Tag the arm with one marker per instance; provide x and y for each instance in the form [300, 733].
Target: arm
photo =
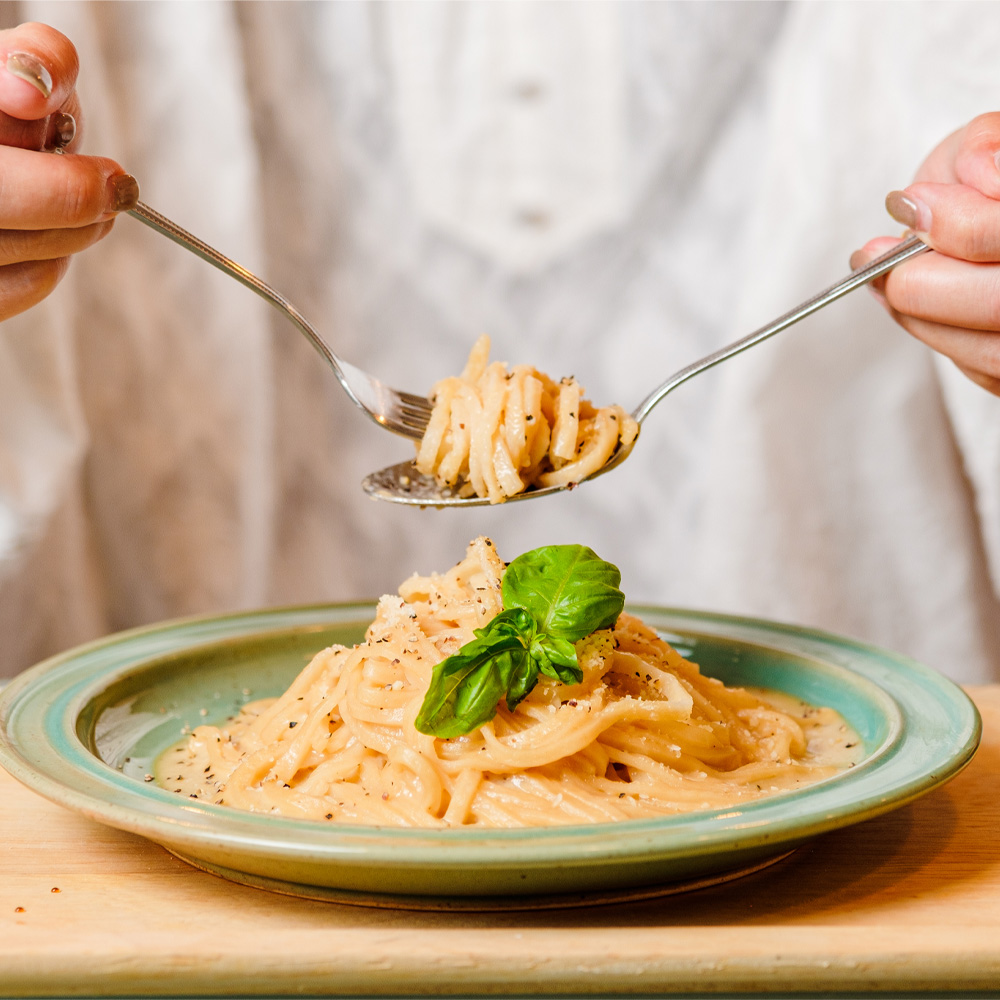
[50, 206]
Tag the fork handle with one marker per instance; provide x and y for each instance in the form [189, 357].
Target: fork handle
[200, 248]
[862, 276]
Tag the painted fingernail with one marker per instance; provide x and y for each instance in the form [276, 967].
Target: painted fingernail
[858, 259]
[27, 67]
[908, 211]
[63, 130]
[124, 193]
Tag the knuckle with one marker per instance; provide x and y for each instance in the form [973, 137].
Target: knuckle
[43, 276]
[82, 196]
[905, 291]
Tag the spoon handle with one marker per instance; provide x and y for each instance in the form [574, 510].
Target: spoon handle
[862, 276]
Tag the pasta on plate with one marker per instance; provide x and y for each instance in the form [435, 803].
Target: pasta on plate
[495, 432]
[642, 734]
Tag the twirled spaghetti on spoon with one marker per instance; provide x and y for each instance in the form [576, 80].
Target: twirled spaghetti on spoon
[496, 431]
[507, 696]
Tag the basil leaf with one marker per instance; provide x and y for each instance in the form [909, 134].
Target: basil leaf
[466, 687]
[552, 597]
[509, 623]
[568, 590]
[556, 658]
[523, 678]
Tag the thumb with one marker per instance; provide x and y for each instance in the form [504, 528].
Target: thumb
[38, 70]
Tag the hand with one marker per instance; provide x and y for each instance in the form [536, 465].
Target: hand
[951, 299]
[50, 206]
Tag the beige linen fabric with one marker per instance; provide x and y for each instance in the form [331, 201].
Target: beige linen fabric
[608, 191]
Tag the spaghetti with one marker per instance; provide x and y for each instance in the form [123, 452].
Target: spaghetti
[495, 432]
[643, 734]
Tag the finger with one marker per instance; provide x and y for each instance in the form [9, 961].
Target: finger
[988, 382]
[866, 254]
[20, 245]
[976, 353]
[940, 289]
[41, 191]
[955, 219]
[24, 285]
[38, 70]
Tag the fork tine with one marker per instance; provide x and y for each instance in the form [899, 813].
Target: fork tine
[414, 417]
[421, 403]
[409, 420]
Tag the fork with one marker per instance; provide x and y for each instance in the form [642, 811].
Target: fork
[401, 412]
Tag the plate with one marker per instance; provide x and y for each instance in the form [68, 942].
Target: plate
[84, 727]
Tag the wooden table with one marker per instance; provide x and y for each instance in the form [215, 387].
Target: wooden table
[906, 903]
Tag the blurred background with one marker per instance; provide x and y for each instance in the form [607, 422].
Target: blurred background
[608, 190]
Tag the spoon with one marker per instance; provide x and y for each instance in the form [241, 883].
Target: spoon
[404, 484]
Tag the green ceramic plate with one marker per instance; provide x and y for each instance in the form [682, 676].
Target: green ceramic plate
[83, 729]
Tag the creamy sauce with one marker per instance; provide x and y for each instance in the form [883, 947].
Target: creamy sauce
[200, 765]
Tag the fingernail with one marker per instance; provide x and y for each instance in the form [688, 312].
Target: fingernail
[908, 211]
[63, 129]
[858, 259]
[124, 193]
[27, 67]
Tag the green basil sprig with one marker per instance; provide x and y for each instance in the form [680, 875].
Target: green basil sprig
[552, 597]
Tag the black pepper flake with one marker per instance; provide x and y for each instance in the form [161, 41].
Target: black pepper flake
[329, 815]
[292, 725]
